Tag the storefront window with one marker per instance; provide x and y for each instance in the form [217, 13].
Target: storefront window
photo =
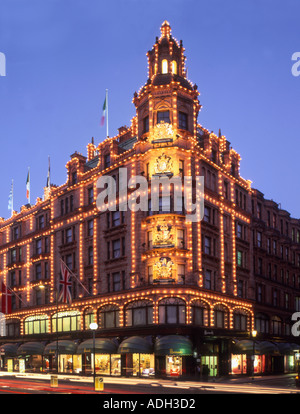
[173, 365]
[259, 364]
[239, 364]
[102, 363]
[147, 365]
[115, 361]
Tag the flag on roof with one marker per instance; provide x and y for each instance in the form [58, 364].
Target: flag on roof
[28, 186]
[11, 197]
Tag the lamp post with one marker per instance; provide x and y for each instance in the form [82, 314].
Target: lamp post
[253, 333]
[94, 327]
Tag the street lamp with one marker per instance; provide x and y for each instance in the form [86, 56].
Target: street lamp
[253, 333]
[94, 327]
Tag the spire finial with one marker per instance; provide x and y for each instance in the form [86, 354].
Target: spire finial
[165, 29]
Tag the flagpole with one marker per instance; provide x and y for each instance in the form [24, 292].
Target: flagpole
[12, 197]
[106, 113]
[28, 186]
[57, 292]
[78, 280]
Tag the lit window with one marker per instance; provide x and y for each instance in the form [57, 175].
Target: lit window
[164, 66]
[174, 67]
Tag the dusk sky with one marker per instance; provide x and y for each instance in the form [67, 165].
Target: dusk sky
[61, 56]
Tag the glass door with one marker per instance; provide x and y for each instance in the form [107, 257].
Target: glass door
[212, 364]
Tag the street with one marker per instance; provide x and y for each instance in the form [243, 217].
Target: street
[40, 384]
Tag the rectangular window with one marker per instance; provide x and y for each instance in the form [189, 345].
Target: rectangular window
[115, 218]
[182, 120]
[90, 225]
[69, 235]
[38, 247]
[116, 245]
[116, 279]
[181, 273]
[106, 160]
[207, 213]
[239, 232]
[90, 195]
[259, 239]
[149, 239]
[239, 258]
[180, 239]
[90, 255]
[38, 272]
[163, 116]
[207, 280]
[146, 124]
[207, 245]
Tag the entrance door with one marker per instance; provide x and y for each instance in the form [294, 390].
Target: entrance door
[212, 363]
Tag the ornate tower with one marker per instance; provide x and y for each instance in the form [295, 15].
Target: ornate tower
[168, 96]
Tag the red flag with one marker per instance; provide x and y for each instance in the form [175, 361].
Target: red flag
[6, 299]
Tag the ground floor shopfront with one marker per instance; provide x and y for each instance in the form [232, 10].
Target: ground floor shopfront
[170, 356]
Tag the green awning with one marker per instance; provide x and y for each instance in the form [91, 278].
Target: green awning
[284, 348]
[8, 350]
[173, 345]
[64, 347]
[135, 345]
[102, 346]
[268, 348]
[31, 348]
[245, 346]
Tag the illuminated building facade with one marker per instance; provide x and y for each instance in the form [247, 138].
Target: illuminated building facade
[168, 294]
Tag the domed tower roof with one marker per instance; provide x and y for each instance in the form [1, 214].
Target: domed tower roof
[166, 60]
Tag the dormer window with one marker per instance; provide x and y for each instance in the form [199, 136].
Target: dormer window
[164, 66]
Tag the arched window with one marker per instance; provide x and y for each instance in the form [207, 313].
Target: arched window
[240, 320]
[200, 313]
[171, 310]
[12, 327]
[164, 66]
[36, 324]
[261, 323]
[66, 321]
[221, 316]
[109, 316]
[88, 318]
[174, 67]
[139, 313]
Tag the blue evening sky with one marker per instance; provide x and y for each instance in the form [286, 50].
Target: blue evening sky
[61, 55]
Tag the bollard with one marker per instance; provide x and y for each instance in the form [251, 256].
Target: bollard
[99, 384]
[54, 381]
